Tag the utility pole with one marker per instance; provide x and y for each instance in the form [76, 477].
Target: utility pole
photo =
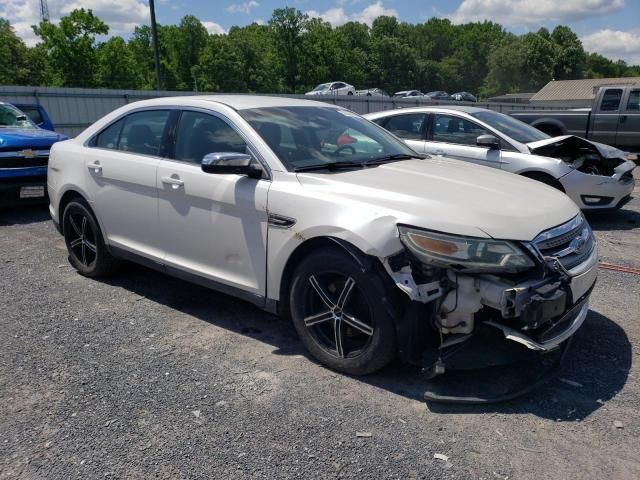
[44, 11]
[154, 40]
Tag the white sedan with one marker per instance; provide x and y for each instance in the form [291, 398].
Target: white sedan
[310, 211]
[594, 175]
[333, 88]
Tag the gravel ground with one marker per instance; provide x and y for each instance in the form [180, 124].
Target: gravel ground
[145, 376]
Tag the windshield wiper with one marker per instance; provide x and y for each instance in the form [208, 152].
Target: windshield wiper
[392, 158]
[328, 166]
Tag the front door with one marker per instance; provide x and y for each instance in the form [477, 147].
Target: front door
[213, 226]
[121, 173]
[455, 137]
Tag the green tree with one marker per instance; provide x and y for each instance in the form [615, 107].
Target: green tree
[71, 47]
[288, 25]
[185, 49]
[254, 47]
[14, 68]
[219, 68]
[570, 57]
[116, 65]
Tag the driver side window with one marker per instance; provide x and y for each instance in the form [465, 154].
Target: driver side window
[200, 133]
[451, 129]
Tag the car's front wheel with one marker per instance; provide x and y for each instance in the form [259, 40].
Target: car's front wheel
[341, 313]
[87, 251]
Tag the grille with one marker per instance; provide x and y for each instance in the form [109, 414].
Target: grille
[19, 162]
[572, 243]
[24, 157]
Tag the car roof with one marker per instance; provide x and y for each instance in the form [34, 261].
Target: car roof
[241, 102]
[438, 108]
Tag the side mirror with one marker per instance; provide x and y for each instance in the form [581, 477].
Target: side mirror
[230, 163]
[488, 141]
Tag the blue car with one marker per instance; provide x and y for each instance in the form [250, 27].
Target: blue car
[24, 155]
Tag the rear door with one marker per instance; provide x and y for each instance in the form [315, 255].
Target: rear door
[121, 180]
[410, 127]
[628, 134]
[455, 137]
[606, 117]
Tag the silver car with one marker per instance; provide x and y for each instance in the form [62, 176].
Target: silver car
[594, 175]
[333, 88]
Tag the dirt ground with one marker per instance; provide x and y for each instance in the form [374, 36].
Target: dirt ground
[144, 376]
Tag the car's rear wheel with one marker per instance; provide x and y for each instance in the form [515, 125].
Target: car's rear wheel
[87, 251]
[341, 314]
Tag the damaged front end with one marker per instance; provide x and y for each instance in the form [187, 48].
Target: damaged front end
[463, 291]
[601, 174]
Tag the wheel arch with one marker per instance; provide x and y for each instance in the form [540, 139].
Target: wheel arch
[309, 246]
[550, 126]
[541, 176]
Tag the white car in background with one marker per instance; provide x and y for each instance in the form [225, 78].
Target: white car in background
[333, 88]
[310, 211]
[408, 94]
[594, 175]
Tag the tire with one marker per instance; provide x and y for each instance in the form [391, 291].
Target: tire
[544, 178]
[87, 251]
[350, 93]
[331, 298]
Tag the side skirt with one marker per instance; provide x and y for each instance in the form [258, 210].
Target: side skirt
[257, 300]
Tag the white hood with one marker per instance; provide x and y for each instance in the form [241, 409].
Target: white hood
[448, 196]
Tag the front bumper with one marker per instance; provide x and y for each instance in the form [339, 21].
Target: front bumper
[597, 192]
[12, 190]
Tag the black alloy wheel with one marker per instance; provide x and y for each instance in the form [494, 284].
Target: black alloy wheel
[87, 251]
[342, 313]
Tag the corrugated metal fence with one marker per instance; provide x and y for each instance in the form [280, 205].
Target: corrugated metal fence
[74, 109]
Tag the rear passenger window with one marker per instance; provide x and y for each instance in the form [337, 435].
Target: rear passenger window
[633, 104]
[611, 100]
[142, 132]
[201, 133]
[408, 127]
[108, 138]
[34, 114]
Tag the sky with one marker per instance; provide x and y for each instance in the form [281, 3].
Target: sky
[609, 27]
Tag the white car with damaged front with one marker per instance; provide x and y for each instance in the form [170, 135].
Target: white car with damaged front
[594, 175]
[311, 211]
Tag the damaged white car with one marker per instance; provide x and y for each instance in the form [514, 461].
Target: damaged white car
[594, 175]
[310, 211]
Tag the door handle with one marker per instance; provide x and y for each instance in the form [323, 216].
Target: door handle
[95, 166]
[439, 153]
[175, 182]
[623, 118]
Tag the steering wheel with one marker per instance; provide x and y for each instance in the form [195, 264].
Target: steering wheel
[344, 148]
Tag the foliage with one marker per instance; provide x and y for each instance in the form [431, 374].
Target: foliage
[71, 47]
[293, 53]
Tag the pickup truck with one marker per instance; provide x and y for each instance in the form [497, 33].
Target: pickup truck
[37, 114]
[614, 118]
[24, 157]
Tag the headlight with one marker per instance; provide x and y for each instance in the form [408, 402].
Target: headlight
[464, 253]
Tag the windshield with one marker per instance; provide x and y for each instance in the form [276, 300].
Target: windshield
[11, 117]
[322, 86]
[519, 131]
[304, 137]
